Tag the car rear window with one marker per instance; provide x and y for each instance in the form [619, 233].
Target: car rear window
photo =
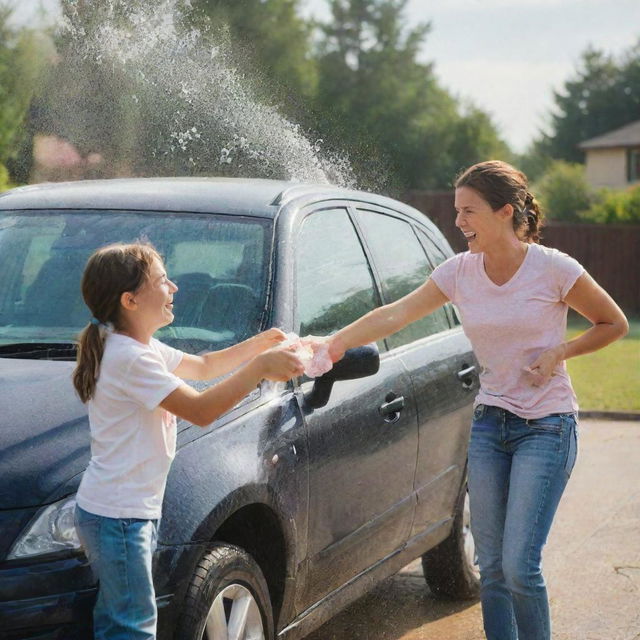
[220, 264]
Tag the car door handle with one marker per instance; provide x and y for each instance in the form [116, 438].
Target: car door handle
[466, 372]
[392, 406]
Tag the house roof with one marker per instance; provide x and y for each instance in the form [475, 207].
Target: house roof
[627, 136]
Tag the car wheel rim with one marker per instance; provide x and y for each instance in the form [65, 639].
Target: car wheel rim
[467, 537]
[234, 615]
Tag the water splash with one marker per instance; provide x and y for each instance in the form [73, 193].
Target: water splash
[195, 112]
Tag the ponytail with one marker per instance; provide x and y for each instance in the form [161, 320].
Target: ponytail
[532, 219]
[90, 350]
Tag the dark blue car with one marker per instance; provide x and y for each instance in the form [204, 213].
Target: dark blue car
[304, 495]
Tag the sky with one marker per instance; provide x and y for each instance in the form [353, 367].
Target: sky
[505, 56]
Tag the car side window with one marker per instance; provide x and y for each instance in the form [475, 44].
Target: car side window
[436, 256]
[334, 284]
[403, 267]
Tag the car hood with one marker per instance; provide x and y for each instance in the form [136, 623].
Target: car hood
[44, 432]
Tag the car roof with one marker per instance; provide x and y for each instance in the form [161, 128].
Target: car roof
[205, 195]
[258, 197]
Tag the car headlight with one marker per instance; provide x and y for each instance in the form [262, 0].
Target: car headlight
[51, 530]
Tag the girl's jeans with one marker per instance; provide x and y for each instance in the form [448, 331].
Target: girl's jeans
[518, 470]
[120, 552]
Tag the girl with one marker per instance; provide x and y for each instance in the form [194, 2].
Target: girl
[132, 385]
[513, 295]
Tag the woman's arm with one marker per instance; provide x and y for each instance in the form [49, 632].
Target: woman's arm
[202, 408]
[217, 363]
[388, 319]
[591, 301]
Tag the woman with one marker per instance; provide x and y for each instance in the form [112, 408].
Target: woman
[132, 385]
[513, 295]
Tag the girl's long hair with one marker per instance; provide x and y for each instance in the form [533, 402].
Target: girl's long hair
[110, 272]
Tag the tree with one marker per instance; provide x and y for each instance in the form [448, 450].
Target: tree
[563, 191]
[386, 107]
[21, 62]
[269, 38]
[603, 95]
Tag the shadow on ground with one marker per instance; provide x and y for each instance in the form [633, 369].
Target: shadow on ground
[397, 606]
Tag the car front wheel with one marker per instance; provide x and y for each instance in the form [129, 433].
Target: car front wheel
[228, 598]
[450, 569]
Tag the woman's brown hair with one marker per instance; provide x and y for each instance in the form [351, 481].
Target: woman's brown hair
[110, 271]
[499, 183]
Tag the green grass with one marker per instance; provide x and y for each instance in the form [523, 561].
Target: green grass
[609, 379]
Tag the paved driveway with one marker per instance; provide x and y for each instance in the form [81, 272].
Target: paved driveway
[592, 561]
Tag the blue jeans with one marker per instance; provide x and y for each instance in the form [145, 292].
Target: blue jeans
[518, 470]
[120, 552]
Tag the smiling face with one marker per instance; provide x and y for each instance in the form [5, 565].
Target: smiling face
[151, 306]
[481, 225]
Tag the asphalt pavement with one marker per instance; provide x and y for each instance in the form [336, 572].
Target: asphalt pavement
[591, 561]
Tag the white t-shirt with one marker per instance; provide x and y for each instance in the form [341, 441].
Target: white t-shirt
[510, 325]
[133, 440]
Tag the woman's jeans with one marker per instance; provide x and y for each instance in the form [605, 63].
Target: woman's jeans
[518, 470]
[120, 551]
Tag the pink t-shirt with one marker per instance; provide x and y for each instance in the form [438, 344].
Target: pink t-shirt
[510, 325]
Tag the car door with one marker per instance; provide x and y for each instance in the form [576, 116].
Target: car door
[440, 362]
[361, 462]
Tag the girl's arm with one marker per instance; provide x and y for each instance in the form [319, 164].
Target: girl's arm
[202, 408]
[217, 363]
[388, 319]
[591, 301]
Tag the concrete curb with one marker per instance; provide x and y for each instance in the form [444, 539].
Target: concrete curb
[610, 415]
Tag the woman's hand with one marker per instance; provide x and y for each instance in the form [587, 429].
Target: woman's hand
[335, 346]
[544, 365]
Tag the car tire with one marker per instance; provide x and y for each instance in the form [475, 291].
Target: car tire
[449, 568]
[228, 588]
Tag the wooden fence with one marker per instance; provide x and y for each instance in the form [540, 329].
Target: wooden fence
[610, 253]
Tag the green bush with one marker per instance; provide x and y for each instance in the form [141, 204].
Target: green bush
[563, 191]
[614, 206]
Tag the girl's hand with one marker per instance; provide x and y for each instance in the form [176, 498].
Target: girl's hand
[269, 338]
[543, 367]
[279, 364]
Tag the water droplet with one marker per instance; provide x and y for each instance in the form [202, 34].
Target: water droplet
[192, 93]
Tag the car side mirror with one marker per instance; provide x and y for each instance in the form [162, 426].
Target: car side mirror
[356, 363]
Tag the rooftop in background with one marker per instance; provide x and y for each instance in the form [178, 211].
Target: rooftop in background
[627, 136]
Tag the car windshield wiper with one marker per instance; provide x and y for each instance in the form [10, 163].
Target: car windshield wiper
[39, 350]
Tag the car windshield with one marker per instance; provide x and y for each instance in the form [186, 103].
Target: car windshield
[220, 264]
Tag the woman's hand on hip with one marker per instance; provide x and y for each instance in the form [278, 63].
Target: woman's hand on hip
[542, 368]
